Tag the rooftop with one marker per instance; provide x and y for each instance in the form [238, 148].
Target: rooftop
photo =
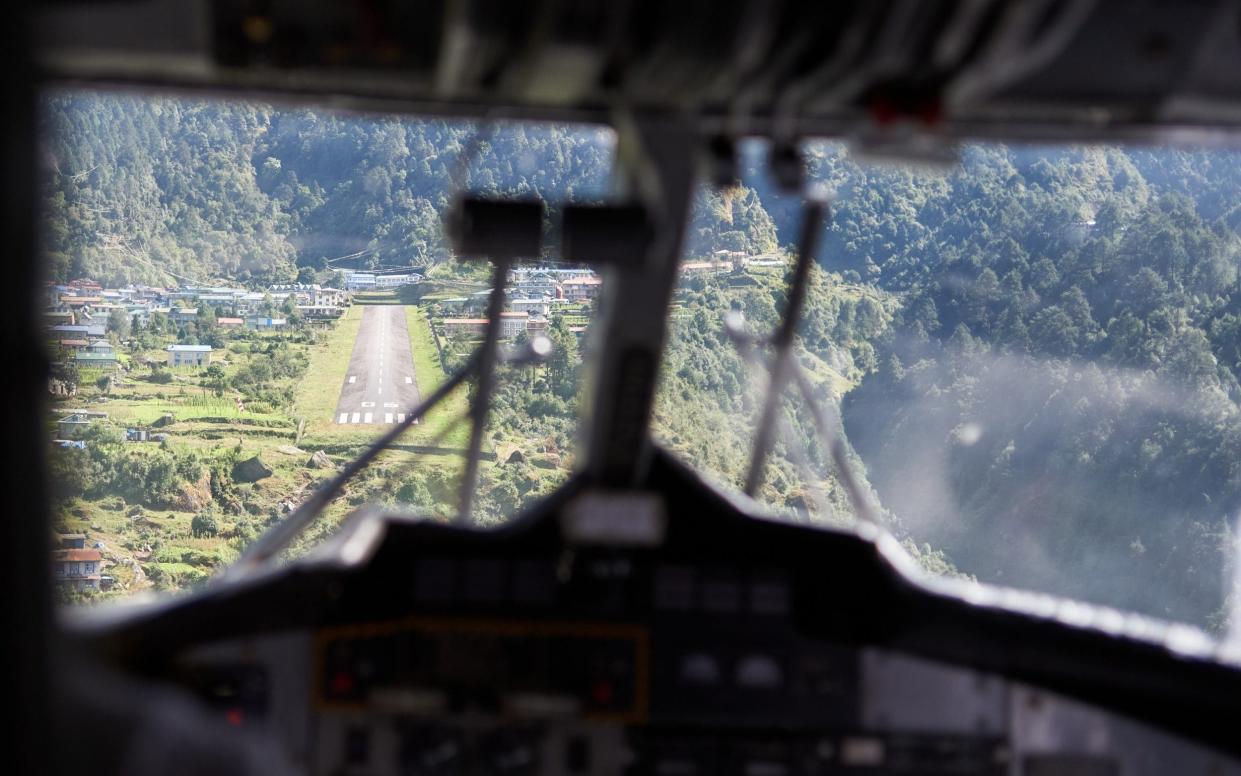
[189, 348]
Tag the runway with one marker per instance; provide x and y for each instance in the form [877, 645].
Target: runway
[379, 384]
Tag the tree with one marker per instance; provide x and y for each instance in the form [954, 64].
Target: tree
[215, 379]
[563, 363]
[119, 323]
[204, 523]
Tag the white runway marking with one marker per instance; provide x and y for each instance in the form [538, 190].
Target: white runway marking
[366, 404]
[387, 417]
[400, 418]
[389, 404]
[367, 418]
[408, 380]
[355, 418]
[344, 417]
[353, 378]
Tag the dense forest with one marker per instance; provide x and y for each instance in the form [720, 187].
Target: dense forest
[1035, 356]
[164, 191]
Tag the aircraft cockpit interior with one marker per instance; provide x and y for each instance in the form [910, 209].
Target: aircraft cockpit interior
[771, 388]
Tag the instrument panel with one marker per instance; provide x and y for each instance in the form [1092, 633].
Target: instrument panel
[444, 696]
[728, 645]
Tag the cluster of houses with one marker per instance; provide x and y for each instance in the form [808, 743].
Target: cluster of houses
[532, 295]
[77, 314]
[535, 293]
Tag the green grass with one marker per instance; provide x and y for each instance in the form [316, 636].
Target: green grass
[151, 410]
[318, 393]
[429, 375]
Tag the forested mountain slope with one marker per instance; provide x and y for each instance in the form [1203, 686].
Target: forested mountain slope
[162, 190]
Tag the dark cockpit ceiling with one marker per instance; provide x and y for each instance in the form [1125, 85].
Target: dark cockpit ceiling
[1066, 69]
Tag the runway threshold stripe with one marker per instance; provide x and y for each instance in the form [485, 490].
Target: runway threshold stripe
[367, 418]
[344, 418]
[355, 418]
[387, 417]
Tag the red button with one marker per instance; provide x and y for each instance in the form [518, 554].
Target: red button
[342, 683]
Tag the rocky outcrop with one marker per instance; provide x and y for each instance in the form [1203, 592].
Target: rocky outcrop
[251, 470]
[320, 461]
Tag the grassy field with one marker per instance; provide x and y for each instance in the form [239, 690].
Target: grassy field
[428, 374]
[319, 391]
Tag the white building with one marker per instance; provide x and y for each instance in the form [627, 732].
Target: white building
[393, 281]
[531, 306]
[189, 355]
[360, 280]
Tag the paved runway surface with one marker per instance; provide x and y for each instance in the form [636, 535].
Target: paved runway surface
[379, 385]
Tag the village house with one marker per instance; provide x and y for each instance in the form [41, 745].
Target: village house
[330, 296]
[320, 312]
[302, 293]
[531, 306]
[183, 314]
[581, 289]
[84, 285]
[71, 426]
[81, 330]
[536, 284]
[394, 281]
[360, 281]
[510, 324]
[189, 355]
[260, 322]
[75, 565]
[98, 354]
[694, 267]
[230, 323]
[88, 359]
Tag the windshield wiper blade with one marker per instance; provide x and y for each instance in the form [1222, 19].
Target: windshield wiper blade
[282, 533]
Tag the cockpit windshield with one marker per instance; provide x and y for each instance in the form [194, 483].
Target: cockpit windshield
[1023, 365]
[1030, 359]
